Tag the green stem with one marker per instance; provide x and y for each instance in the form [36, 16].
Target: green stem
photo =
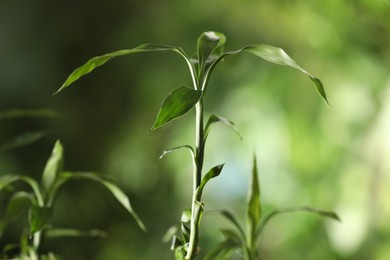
[199, 157]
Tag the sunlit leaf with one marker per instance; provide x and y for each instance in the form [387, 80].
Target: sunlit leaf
[185, 216]
[322, 213]
[98, 61]
[218, 119]
[66, 232]
[23, 140]
[17, 113]
[16, 206]
[253, 206]
[279, 56]
[39, 217]
[53, 166]
[178, 103]
[212, 173]
[210, 43]
[115, 191]
[269, 53]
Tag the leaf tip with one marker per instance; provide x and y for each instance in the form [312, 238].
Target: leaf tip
[320, 88]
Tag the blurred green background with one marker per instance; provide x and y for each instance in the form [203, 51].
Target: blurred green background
[331, 157]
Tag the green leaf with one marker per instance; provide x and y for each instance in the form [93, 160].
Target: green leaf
[115, 191]
[180, 252]
[210, 43]
[212, 173]
[66, 232]
[17, 205]
[227, 214]
[254, 206]
[17, 113]
[23, 140]
[53, 166]
[232, 235]
[195, 227]
[39, 218]
[178, 103]
[218, 119]
[223, 250]
[170, 233]
[322, 213]
[9, 179]
[271, 54]
[98, 61]
[170, 150]
[279, 56]
[176, 242]
[186, 216]
[185, 232]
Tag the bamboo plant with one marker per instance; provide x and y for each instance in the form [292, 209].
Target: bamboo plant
[210, 51]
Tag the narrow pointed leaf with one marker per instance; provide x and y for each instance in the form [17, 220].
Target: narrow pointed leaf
[322, 213]
[16, 206]
[223, 250]
[272, 54]
[9, 179]
[178, 103]
[212, 173]
[218, 119]
[279, 56]
[66, 232]
[98, 61]
[170, 150]
[210, 43]
[17, 113]
[254, 206]
[53, 166]
[120, 196]
[232, 235]
[23, 140]
[227, 214]
[39, 218]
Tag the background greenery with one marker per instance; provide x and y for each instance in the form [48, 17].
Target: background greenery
[333, 157]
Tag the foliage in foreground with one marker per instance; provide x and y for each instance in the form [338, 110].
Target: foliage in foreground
[37, 206]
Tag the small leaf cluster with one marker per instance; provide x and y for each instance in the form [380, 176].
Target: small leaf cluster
[245, 240]
[37, 205]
